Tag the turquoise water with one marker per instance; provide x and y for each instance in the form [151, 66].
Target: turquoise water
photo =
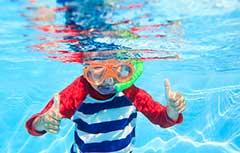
[204, 33]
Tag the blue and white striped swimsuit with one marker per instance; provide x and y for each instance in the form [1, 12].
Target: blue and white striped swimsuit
[105, 125]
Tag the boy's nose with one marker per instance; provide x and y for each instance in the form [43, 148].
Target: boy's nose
[109, 81]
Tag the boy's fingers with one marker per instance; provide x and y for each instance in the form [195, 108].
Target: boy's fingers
[178, 95]
[53, 115]
[179, 99]
[177, 103]
[180, 110]
[52, 131]
[48, 126]
[182, 99]
[52, 121]
[53, 127]
[181, 107]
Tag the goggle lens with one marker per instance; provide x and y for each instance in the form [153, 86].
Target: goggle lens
[96, 74]
[123, 71]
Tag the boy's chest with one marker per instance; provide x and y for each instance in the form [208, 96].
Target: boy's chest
[93, 111]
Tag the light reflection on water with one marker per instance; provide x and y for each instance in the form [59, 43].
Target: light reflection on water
[204, 34]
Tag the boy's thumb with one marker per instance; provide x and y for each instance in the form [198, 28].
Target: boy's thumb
[167, 87]
[56, 103]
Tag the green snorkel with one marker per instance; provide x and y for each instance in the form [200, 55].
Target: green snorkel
[138, 66]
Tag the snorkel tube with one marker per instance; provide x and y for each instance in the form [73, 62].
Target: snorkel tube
[138, 66]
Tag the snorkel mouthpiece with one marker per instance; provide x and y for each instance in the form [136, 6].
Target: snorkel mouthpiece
[138, 66]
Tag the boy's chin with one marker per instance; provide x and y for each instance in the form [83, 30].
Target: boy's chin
[106, 90]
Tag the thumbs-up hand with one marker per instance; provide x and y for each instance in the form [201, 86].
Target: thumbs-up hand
[175, 101]
[50, 120]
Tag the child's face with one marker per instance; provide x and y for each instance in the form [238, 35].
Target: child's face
[103, 75]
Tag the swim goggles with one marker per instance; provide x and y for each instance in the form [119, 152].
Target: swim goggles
[97, 71]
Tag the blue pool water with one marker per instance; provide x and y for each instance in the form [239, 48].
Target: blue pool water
[206, 35]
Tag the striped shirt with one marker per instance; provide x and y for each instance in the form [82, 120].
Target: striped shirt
[104, 125]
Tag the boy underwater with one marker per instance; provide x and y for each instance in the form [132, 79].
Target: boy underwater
[103, 103]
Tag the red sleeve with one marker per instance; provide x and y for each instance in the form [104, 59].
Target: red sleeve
[70, 99]
[153, 110]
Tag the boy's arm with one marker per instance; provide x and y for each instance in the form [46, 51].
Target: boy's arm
[153, 110]
[70, 99]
